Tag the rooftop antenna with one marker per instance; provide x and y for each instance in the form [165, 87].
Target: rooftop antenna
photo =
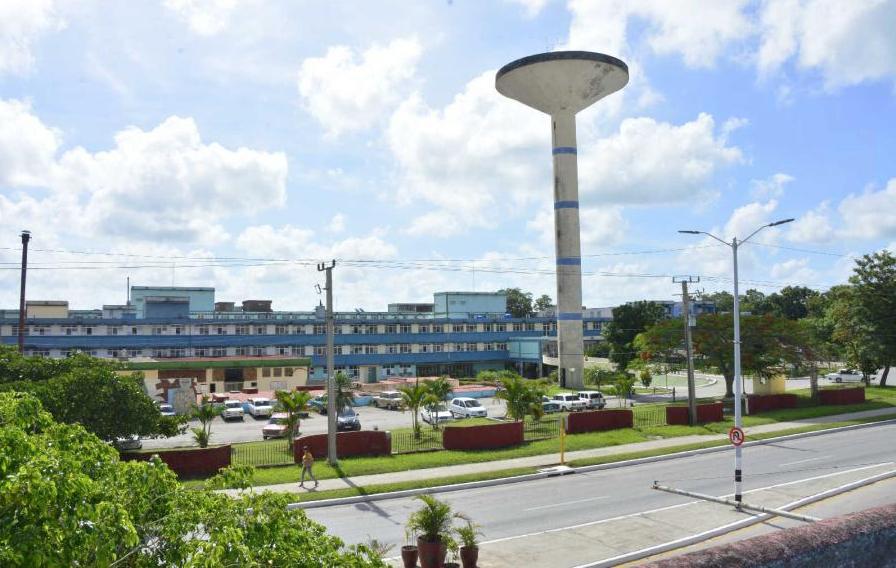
[561, 84]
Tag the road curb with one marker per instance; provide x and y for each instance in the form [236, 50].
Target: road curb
[582, 469]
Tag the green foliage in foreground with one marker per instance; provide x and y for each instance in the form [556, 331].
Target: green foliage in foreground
[66, 500]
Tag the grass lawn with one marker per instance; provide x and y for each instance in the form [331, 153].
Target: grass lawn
[877, 397]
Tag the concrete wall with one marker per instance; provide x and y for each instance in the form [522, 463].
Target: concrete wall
[201, 299]
[598, 420]
[854, 395]
[362, 443]
[42, 310]
[764, 403]
[482, 437]
[863, 539]
[462, 304]
[199, 462]
[678, 415]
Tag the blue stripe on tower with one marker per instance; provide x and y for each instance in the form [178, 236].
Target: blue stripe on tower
[569, 260]
[566, 205]
[565, 150]
[569, 316]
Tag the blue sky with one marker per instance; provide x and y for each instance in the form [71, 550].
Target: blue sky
[193, 140]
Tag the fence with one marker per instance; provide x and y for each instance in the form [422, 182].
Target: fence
[649, 416]
[262, 454]
[544, 429]
[404, 441]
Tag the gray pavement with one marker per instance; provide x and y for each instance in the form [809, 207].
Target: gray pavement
[524, 511]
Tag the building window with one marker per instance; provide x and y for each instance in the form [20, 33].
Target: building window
[278, 371]
[353, 371]
[297, 350]
[371, 330]
[425, 348]
[266, 372]
[370, 349]
[423, 329]
[438, 348]
[219, 352]
[502, 347]
[200, 352]
[391, 328]
[472, 347]
[320, 329]
[258, 351]
[487, 327]
[320, 350]
[242, 351]
[437, 328]
[158, 330]
[287, 371]
[281, 330]
[177, 330]
[69, 330]
[390, 349]
[355, 329]
[261, 330]
[404, 328]
[404, 348]
[282, 350]
[133, 331]
[203, 330]
[112, 330]
[471, 327]
[357, 349]
[242, 330]
[530, 327]
[518, 326]
[221, 330]
[500, 327]
[133, 352]
[157, 353]
[177, 353]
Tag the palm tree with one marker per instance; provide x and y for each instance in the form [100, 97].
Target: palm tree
[293, 404]
[413, 397]
[520, 396]
[344, 395]
[440, 388]
[204, 413]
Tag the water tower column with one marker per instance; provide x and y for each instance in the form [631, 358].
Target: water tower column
[568, 248]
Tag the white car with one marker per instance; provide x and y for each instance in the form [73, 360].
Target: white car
[436, 414]
[388, 399]
[467, 408]
[233, 410]
[260, 407]
[166, 409]
[132, 442]
[593, 399]
[276, 427]
[845, 376]
[569, 402]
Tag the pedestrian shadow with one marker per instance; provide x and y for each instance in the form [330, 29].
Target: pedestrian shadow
[370, 506]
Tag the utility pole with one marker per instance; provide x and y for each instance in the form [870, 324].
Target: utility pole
[26, 236]
[686, 310]
[332, 458]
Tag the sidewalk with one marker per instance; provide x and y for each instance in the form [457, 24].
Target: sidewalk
[551, 459]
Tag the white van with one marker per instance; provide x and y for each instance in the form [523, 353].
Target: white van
[260, 407]
[593, 399]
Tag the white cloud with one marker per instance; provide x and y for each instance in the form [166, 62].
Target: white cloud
[870, 215]
[21, 23]
[650, 162]
[600, 227]
[771, 187]
[812, 227]
[795, 271]
[532, 7]
[205, 17]
[748, 218]
[847, 42]
[337, 223]
[345, 92]
[27, 146]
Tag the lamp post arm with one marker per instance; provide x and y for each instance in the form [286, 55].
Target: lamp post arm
[752, 234]
[726, 243]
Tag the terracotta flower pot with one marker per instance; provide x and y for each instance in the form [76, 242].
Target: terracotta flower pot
[469, 555]
[432, 554]
[409, 556]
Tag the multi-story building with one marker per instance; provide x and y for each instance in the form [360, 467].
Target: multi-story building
[462, 334]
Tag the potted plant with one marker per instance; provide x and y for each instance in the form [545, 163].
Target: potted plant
[409, 551]
[469, 549]
[433, 523]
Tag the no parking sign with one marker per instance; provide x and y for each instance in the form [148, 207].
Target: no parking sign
[736, 435]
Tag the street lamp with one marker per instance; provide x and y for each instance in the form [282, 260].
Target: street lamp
[738, 386]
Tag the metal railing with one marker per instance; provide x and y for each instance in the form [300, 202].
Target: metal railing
[405, 442]
[544, 429]
[649, 416]
[262, 454]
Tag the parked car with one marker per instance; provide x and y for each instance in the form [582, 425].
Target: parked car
[233, 410]
[319, 403]
[569, 402]
[348, 419]
[549, 406]
[260, 407]
[388, 399]
[593, 399]
[845, 376]
[132, 442]
[166, 409]
[465, 407]
[435, 414]
[276, 427]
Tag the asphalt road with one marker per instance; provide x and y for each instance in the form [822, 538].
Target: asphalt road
[531, 507]
[249, 429]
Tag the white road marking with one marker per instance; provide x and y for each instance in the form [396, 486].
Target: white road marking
[566, 503]
[803, 461]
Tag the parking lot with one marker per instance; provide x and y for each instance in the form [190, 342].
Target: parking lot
[249, 429]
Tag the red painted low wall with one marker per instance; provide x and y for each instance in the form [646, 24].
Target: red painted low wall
[842, 396]
[678, 415]
[766, 402]
[482, 437]
[597, 420]
[199, 462]
[361, 443]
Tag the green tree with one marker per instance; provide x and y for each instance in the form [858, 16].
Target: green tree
[293, 404]
[543, 302]
[88, 391]
[413, 397]
[521, 396]
[205, 413]
[624, 383]
[437, 391]
[723, 301]
[874, 302]
[67, 500]
[628, 321]
[519, 303]
[599, 349]
[792, 302]
[344, 395]
[754, 302]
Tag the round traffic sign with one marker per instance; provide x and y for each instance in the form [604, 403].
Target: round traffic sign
[736, 435]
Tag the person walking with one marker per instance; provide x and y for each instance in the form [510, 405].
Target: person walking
[307, 465]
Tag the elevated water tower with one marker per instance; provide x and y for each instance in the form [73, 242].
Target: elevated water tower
[561, 84]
